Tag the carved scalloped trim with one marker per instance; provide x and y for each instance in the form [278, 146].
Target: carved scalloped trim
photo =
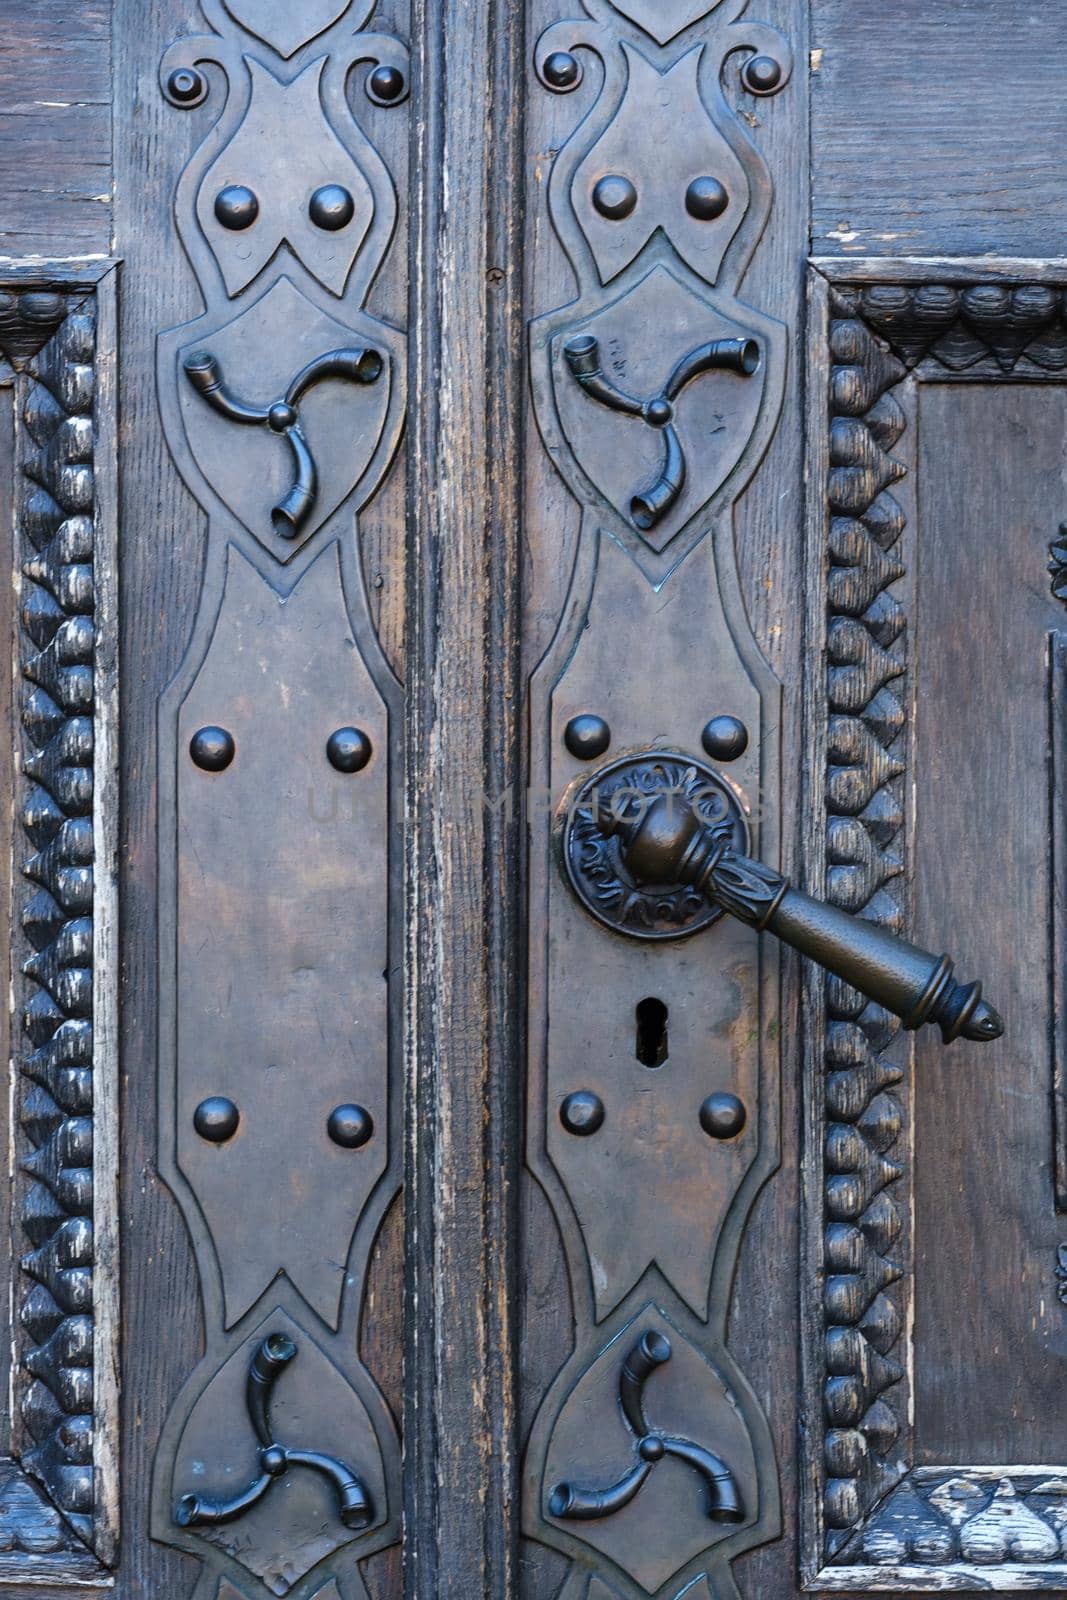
[864, 839]
[1018, 326]
[65, 1382]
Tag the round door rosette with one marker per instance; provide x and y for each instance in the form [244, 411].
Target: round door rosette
[592, 854]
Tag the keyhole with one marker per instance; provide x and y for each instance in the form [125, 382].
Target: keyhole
[652, 1044]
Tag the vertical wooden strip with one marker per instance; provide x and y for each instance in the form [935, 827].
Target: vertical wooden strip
[106, 948]
[461, 849]
[813, 855]
[1057, 687]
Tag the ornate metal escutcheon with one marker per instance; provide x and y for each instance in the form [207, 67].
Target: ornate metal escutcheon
[283, 405]
[652, 1064]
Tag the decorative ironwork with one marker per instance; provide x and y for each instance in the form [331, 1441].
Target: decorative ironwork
[285, 688]
[651, 504]
[658, 198]
[573, 1503]
[355, 1507]
[290, 515]
[667, 841]
[593, 852]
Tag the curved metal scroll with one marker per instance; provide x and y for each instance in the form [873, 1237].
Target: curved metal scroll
[571, 1503]
[356, 1508]
[650, 505]
[283, 417]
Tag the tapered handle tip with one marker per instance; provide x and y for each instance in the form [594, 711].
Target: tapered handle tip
[963, 1014]
[983, 1023]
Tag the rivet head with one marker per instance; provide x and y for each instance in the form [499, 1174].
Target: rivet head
[582, 1113]
[216, 1119]
[212, 749]
[587, 737]
[387, 84]
[659, 412]
[273, 1460]
[331, 207]
[349, 749]
[725, 738]
[614, 197]
[281, 416]
[723, 1116]
[186, 87]
[350, 1126]
[651, 1448]
[761, 75]
[236, 207]
[706, 199]
[562, 71]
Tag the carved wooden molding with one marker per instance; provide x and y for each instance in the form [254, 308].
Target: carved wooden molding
[882, 1524]
[58, 1497]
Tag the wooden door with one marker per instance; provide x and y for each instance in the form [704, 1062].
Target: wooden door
[535, 532]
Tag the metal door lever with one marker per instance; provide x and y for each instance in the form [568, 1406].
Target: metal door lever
[665, 839]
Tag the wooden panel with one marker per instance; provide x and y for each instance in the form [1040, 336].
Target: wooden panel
[939, 1235]
[991, 487]
[935, 127]
[55, 127]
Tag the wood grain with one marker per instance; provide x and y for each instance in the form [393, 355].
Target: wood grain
[55, 127]
[937, 127]
[991, 485]
[463, 1015]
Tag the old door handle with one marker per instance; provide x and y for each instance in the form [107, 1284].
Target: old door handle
[665, 841]
[655, 846]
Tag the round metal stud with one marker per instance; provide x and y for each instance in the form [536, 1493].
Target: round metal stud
[651, 1448]
[236, 207]
[349, 749]
[273, 1460]
[614, 197]
[216, 1119]
[350, 1126]
[725, 738]
[706, 199]
[562, 71]
[659, 412]
[761, 75]
[212, 749]
[386, 84]
[587, 737]
[186, 87]
[723, 1116]
[582, 1113]
[281, 416]
[331, 207]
